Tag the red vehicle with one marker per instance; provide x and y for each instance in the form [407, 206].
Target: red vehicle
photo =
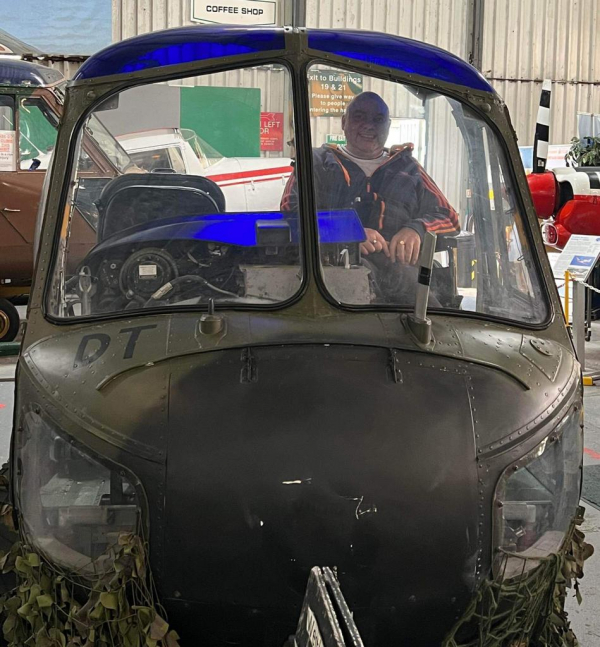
[567, 199]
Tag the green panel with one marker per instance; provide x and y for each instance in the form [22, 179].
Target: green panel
[36, 134]
[8, 348]
[227, 118]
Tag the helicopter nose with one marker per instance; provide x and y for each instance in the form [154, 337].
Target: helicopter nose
[323, 457]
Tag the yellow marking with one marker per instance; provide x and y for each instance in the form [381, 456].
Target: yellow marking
[567, 281]
[588, 381]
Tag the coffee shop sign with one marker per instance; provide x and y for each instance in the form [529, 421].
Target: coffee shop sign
[235, 12]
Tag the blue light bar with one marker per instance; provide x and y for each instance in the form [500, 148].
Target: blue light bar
[175, 46]
[239, 229]
[201, 43]
[398, 53]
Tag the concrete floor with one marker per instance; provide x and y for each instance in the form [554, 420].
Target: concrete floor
[585, 619]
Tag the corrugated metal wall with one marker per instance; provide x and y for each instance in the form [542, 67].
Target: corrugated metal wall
[66, 65]
[133, 17]
[439, 22]
[523, 42]
[526, 41]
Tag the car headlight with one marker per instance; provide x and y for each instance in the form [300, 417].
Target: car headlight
[537, 497]
[73, 507]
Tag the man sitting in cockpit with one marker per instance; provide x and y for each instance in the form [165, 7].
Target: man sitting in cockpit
[396, 200]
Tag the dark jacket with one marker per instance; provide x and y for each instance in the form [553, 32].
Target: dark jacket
[398, 194]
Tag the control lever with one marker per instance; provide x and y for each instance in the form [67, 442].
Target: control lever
[418, 322]
[85, 287]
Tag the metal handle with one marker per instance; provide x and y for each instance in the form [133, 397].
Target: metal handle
[11, 210]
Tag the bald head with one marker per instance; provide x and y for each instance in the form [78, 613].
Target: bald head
[366, 125]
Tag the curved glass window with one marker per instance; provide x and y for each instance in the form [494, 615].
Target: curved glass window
[180, 204]
[392, 162]
[74, 508]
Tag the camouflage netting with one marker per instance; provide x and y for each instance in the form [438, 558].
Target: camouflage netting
[51, 608]
[526, 610]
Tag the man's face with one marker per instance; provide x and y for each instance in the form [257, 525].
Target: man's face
[366, 126]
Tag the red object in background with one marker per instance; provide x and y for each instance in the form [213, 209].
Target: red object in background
[581, 215]
[550, 234]
[555, 234]
[563, 236]
[271, 131]
[545, 194]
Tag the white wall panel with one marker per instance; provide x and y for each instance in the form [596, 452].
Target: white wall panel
[438, 22]
[67, 67]
[133, 17]
[526, 41]
[522, 99]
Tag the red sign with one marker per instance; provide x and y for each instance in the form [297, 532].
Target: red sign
[271, 131]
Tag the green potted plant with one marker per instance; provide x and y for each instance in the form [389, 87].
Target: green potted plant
[584, 152]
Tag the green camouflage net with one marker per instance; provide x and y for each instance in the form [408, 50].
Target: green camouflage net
[52, 608]
[527, 609]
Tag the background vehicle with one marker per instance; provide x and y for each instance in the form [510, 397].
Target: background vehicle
[224, 388]
[567, 199]
[31, 105]
[253, 183]
[30, 108]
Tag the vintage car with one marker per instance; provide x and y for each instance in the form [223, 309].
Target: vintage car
[31, 105]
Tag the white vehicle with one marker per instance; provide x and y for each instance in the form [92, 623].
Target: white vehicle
[248, 183]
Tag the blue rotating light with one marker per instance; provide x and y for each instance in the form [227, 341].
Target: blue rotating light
[202, 43]
[176, 46]
[404, 54]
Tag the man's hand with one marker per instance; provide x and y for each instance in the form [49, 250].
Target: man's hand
[405, 247]
[375, 243]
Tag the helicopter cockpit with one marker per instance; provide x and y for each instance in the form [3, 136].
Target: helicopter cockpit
[168, 238]
[230, 369]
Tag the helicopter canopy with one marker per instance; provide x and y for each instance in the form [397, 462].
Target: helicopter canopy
[414, 159]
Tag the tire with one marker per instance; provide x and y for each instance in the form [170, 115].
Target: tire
[9, 321]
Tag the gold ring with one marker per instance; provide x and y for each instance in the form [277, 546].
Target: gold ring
[402, 242]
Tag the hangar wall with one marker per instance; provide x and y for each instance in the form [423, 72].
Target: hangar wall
[66, 65]
[525, 42]
[522, 42]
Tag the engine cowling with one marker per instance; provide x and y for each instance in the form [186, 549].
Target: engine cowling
[545, 193]
[581, 215]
